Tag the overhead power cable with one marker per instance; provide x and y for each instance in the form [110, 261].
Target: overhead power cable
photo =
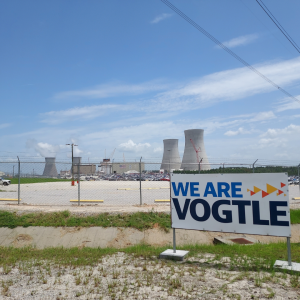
[276, 22]
[212, 38]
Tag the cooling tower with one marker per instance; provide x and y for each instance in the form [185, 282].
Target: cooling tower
[76, 160]
[194, 151]
[171, 158]
[50, 168]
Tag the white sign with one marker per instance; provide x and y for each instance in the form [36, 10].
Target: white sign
[238, 203]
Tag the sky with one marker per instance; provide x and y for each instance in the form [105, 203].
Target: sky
[126, 75]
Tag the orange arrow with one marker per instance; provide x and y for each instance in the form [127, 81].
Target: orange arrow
[271, 189]
[264, 194]
[282, 184]
[279, 192]
[256, 189]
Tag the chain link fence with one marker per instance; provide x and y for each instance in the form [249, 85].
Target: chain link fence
[108, 183]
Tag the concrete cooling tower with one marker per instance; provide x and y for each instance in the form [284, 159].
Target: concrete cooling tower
[194, 151]
[50, 167]
[171, 158]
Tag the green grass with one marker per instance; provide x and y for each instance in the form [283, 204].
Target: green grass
[25, 180]
[257, 257]
[295, 216]
[138, 220]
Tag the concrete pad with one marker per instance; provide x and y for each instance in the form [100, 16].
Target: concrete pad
[282, 264]
[169, 254]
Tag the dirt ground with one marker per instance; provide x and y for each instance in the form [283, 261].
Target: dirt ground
[124, 276]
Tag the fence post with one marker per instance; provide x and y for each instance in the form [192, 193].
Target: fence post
[298, 178]
[254, 164]
[141, 201]
[289, 251]
[19, 176]
[78, 182]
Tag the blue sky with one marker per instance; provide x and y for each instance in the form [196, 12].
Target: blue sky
[128, 74]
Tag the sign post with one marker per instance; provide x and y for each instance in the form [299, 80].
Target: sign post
[233, 203]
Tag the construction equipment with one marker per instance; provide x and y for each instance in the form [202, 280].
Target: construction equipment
[196, 150]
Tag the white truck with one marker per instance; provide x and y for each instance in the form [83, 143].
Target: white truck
[4, 181]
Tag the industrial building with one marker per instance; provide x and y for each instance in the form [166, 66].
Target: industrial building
[108, 167]
[171, 158]
[194, 156]
[50, 167]
[84, 169]
[127, 166]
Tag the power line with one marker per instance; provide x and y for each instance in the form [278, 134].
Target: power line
[212, 38]
[276, 22]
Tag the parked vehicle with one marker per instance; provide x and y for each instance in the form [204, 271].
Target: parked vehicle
[4, 181]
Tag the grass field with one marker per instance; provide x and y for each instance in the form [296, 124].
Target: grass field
[245, 258]
[25, 180]
[139, 220]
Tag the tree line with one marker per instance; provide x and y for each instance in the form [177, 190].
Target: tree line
[265, 169]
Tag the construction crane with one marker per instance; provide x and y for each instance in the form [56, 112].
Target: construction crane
[197, 151]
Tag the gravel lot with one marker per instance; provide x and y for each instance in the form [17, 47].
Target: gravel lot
[124, 276]
[57, 195]
[112, 192]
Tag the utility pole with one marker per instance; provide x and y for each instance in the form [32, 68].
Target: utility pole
[72, 146]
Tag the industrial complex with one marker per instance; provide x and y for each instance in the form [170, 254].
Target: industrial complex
[194, 158]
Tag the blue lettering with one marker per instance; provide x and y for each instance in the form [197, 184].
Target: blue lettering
[235, 189]
[181, 214]
[227, 213]
[194, 189]
[223, 187]
[256, 214]
[241, 209]
[274, 213]
[210, 190]
[180, 187]
[206, 210]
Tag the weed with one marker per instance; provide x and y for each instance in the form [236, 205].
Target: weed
[77, 280]
[294, 280]
[272, 293]
[5, 286]
[175, 283]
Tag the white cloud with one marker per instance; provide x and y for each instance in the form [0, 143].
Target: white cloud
[241, 130]
[227, 86]
[158, 150]
[289, 130]
[86, 112]
[160, 18]
[43, 149]
[113, 90]
[240, 41]
[288, 104]
[263, 116]
[222, 86]
[130, 146]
